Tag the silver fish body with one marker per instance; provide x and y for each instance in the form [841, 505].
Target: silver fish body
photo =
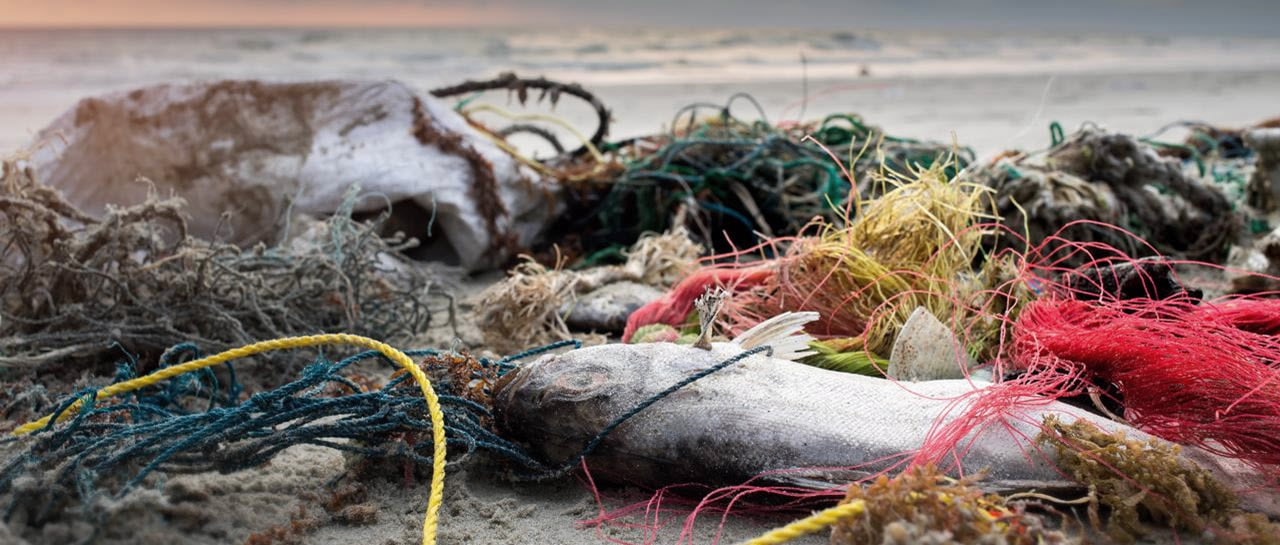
[764, 414]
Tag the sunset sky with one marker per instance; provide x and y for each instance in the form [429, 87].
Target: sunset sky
[1209, 17]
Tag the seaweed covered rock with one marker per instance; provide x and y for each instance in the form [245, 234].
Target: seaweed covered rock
[258, 151]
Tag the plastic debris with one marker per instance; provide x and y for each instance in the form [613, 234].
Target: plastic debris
[247, 155]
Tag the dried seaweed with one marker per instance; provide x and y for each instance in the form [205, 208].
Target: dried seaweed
[922, 505]
[1149, 480]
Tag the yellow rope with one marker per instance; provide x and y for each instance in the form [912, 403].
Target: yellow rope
[586, 142]
[813, 523]
[436, 496]
[512, 151]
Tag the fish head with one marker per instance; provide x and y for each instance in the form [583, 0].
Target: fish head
[558, 403]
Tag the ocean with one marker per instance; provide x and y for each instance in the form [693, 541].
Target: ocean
[648, 73]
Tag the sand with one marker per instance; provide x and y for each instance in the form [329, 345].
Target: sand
[988, 113]
[478, 509]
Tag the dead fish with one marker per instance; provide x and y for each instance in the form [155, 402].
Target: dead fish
[769, 414]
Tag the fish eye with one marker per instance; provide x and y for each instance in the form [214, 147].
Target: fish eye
[583, 382]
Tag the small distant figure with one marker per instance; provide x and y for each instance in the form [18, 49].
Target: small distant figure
[864, 71]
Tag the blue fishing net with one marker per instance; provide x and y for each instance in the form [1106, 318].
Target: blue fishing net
[199, 423]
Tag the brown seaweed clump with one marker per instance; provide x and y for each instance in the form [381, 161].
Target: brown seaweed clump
[923, 506]
[1149, 480]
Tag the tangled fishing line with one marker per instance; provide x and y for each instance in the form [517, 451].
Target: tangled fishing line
[198, 423]
[737, 178]
[72, 288]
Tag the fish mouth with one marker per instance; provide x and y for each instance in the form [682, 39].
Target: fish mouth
[503, 392]
[504, 383]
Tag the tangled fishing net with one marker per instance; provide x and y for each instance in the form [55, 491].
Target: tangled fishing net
[202, 423]
[1096, 179]
[1194, 373]
[902, 251]
[737, 178]
[911, 247]
[75, 289]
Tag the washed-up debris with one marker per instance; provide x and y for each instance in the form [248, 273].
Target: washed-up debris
[925, 349]
[549, 91]
[739, 178]
[894, 265]
[922, 505]
[914, 246]
[534, 304]
[247, 155]
[1095, 181]
[768, 417]
[605, 310]
[75, 288]
[1193, 218]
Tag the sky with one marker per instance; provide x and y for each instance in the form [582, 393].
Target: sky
[1255, 17]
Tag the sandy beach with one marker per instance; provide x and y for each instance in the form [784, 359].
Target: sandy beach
[989, 111]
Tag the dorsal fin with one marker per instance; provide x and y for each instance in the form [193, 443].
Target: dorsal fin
[784, 332]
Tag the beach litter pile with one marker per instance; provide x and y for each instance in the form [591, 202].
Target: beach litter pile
[726, 178]
[907, 343]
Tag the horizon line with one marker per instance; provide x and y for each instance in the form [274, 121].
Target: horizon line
[4, 27]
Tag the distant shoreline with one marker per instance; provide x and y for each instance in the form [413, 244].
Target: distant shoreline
[540, 27]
